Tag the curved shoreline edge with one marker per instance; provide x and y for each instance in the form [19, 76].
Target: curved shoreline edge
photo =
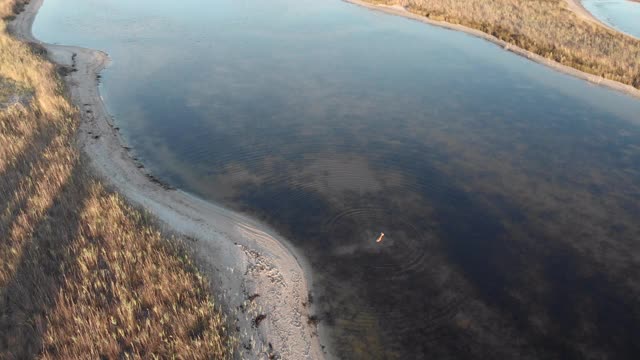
[241, 257]
[579, 9]
[594, 79]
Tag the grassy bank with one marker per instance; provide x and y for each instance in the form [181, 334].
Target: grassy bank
[82, 274]
[545, 27]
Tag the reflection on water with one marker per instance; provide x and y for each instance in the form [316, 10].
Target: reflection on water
[508, 194]
[621, 14]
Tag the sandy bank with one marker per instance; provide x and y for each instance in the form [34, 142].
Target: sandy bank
[400, 11]
[579, 9]
[254, 271]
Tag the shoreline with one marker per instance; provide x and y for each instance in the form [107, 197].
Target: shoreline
[594, 79]
[578, 8]
[254, 272]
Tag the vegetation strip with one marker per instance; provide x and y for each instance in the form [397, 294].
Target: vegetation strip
[545, 31]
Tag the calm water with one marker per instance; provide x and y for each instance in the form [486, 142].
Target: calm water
[621, 14]
[509, 194]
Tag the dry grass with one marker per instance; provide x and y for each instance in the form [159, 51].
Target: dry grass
[545, 27]
[82, 274]
[11, 93]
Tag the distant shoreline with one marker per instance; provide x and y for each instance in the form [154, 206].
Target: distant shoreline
[241, 256]
[594, 79]
[577, 7]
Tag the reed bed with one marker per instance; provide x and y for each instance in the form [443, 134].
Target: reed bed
[544, 27]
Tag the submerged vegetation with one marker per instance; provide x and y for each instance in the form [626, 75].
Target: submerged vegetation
[545, 27]
[82, 274]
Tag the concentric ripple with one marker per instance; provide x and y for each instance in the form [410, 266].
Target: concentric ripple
[403, 248]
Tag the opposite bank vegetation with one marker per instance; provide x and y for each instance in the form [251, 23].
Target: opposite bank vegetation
[545, 27]
[82, 274]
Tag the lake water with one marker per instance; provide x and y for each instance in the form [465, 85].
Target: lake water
[508, 193]
[621, 14]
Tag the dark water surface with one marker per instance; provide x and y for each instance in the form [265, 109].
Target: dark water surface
[621, 14]
[509, 194]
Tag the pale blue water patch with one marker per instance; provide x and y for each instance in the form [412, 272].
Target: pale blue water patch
[621, 14]
[508, 193]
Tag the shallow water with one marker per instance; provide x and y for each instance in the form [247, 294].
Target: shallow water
[621, 14]
[508, 193]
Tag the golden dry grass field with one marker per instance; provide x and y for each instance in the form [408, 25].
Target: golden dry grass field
[545, 27]
[83, 274]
